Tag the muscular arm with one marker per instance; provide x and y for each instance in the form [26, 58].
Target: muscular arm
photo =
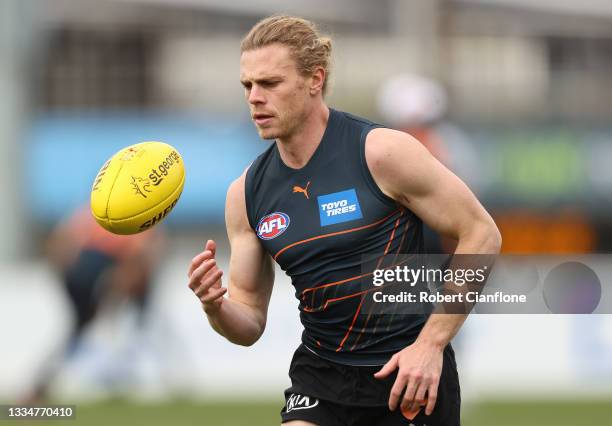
[405, 171]
[241, 317]
[408, 173]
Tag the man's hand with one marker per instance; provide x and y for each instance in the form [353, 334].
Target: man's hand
[420, 367]
[205, 278]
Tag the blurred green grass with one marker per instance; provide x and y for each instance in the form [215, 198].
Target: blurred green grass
[539, 413]
[181, 413]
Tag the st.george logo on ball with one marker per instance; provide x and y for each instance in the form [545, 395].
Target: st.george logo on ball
[137, 187]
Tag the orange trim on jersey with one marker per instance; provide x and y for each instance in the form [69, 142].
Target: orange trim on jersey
[361, 332]
[328, 301]
[390, 239]
[399, 248]
[332, 234]
[348, 332]
[335, 283]
[339, 348]
[370, 273]
[363, 328]
[306, 309]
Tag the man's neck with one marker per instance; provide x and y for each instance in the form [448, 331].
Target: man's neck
[297, 149]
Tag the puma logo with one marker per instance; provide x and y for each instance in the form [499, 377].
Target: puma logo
[302, 190]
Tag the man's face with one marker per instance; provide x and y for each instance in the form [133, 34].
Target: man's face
[277, 94]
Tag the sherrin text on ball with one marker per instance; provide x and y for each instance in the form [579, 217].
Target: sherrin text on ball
[137, 187]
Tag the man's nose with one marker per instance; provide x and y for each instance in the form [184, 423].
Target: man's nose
[256, 95]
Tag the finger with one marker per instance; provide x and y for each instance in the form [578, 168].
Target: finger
[408, 400]
[199, 272]
[213, 305]
[419, 396]
[198, 259]
[432, 397]
[210, 278]
[212, 246]
[396, 392]
[387, 369]
[208, 282]
[213, 295]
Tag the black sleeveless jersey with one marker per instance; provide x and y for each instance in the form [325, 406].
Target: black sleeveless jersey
[317, 223]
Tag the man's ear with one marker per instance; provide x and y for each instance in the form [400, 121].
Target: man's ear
[317, 80]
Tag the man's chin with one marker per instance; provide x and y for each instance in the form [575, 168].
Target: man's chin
[267, 134]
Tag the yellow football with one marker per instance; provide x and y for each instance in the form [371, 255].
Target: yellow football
[137, 187]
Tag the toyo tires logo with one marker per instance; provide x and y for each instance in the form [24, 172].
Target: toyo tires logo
[272, 225]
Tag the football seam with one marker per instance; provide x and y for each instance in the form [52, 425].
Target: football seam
[119, 221]
[111, 191]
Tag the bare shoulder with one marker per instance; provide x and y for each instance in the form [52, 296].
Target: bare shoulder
[235, 204]
[235, 192]
[382, 145]
[392, 155]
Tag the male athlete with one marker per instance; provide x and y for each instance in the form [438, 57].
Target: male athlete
[97, 269]
[332, 188]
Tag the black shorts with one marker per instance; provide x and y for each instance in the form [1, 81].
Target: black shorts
[331, 394]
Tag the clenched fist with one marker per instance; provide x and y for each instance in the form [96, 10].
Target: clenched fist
[205, 278]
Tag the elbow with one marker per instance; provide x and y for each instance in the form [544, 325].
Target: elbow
[244, 340]
[484, 238]
[249, 338]
[493, 240]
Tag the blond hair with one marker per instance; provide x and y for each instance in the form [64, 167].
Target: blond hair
[307, 47]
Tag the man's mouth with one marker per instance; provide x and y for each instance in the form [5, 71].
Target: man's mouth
[261, 119]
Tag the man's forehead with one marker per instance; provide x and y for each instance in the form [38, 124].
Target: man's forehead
[265, 62]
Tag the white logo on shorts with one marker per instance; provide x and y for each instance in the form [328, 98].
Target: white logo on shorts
[300, 402]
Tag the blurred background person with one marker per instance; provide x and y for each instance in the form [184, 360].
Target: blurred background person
[98, 270]
[416, 105]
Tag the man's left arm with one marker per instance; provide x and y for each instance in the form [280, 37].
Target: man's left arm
[406, 172]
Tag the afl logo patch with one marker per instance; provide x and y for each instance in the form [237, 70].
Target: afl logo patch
[272, 225]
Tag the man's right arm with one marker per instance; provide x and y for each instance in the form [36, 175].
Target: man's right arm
[241, 317]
